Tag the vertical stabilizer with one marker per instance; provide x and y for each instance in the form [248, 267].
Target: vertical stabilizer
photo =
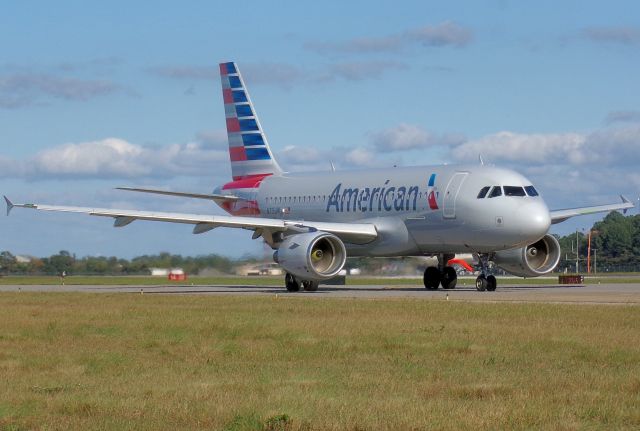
[249, 150]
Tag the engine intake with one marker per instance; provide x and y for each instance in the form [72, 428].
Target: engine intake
[312, 256]
[534, 260]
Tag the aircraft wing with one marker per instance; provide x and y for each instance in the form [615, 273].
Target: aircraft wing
[358, 233]
[213, 197]
[558, 216]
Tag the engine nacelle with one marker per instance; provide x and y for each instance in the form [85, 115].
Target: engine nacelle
[312, 256]
[533, 260]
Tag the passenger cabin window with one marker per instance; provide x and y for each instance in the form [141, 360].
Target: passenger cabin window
[514, 191]
[497, 191]
[531, 191]
[483, 192]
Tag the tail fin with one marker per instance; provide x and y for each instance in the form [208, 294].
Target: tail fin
[248, 147]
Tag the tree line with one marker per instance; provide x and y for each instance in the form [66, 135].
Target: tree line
[100, 265]
[615, 246]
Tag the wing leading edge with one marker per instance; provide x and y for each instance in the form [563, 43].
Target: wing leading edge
[558, 216]
[357, 233]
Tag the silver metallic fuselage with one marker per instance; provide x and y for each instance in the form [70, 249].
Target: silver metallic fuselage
[412, 217]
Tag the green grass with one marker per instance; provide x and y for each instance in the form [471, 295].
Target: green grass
[147, 362]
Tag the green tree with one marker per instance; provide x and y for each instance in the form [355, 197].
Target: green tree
[7, 263]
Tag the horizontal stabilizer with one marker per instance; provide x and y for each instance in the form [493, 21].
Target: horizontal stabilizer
[212, 197]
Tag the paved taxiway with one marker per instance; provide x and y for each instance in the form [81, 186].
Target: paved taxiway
[588, 294]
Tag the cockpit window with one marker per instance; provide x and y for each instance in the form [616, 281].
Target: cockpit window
[483, 192]
[513, 191]
[531, 191]
[495, 192]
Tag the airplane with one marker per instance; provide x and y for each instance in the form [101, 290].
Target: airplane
[314, 220]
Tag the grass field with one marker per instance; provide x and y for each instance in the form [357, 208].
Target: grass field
[147, 362]
[275, 281]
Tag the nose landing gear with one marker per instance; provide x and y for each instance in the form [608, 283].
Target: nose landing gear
[483, 282]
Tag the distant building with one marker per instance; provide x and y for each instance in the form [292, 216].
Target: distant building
[159, 272]
[24, 259]
[177, 274]
[171, 274]
[264, 269]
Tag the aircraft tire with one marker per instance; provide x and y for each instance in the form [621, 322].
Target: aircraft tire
[431, 278]
[492, 283]
[291, 283]
[310, 286]
[481, 283]
[449, 278]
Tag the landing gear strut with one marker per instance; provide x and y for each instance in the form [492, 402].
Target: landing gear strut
[442, 275]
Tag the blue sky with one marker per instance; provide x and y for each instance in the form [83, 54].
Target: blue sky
[94, 96]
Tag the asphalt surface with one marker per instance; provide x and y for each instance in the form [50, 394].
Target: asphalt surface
[615, 294]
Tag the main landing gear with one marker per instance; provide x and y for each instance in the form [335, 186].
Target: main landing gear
[293, 284]
[442, 275]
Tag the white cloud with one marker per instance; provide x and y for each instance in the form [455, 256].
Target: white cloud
[520, 148]
[361, 157]
[108, 157]
[606, 146]
[405, 137]
[292, 154]
[118, 158]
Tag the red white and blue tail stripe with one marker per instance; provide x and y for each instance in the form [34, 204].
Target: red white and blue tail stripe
[249, 150]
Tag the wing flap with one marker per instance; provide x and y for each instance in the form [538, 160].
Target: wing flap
[558, 216]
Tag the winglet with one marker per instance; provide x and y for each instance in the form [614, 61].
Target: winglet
[9, 205]
[626, 201]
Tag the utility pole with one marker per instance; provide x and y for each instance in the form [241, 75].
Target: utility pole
[577, 252]
[589, 254]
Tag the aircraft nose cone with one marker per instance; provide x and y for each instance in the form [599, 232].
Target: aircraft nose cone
[534, 220]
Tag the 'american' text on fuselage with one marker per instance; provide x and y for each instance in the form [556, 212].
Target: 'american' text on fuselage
[402, 198]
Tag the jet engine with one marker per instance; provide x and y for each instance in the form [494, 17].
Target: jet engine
[533, 260]
[312, 256]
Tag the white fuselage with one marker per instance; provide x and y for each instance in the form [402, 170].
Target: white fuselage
[416, 210]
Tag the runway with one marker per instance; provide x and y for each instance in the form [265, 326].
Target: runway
[615, 294]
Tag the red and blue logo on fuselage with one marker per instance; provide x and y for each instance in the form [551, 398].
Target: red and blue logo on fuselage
[432, 193]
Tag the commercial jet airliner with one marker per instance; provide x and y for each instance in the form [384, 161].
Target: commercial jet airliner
[314, 221]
